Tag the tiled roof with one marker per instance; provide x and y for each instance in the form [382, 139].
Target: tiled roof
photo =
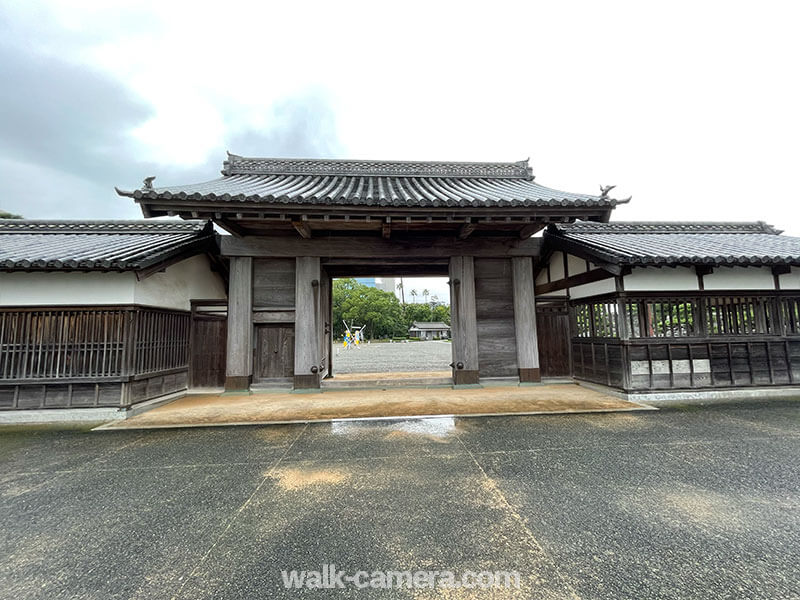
[374, 184]
[421, 325]
[98, 245]
[652, 243]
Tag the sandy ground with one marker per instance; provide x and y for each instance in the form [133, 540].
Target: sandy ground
[382, 357]
[212, 409]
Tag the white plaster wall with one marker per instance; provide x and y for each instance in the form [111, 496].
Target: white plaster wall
[740, 278]
[575, 265]
[541, 277]
[651, 279]
[181, 282]
[604, 286]
[63, 289]
[557, 266]
[791, 281]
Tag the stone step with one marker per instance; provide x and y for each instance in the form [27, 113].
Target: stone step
[386, 382]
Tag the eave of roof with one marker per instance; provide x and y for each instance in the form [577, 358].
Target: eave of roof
[100, 245]
[303, 183]
[674, 244]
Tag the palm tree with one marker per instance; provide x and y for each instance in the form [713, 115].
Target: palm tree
[413, 296]
[402, 293]
[425, 294]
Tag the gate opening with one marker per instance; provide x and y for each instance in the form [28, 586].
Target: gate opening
[389, 330]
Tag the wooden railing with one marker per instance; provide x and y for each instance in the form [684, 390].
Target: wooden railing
[646, 341]
[694, 315]
[91, 343]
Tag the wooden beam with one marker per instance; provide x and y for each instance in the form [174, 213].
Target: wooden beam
[346, 246]
[525, 319]
[466, 229]
[575, 280]
[239, 357]
[302, 228]
[230, 227]
[528, 231]
[386, 229]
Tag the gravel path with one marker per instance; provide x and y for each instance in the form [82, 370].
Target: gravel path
[383, 357]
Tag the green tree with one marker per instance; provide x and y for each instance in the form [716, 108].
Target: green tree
[379, 312]
[8, 215]
[413, 295]
[441, 312]
[425, 294]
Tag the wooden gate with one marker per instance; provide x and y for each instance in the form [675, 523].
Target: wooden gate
[274, 357]
[552, 329]
[208, 344]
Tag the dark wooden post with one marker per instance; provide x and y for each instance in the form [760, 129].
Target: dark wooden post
[307, 369]
[464, 321]
[525, 320]
[239, 360]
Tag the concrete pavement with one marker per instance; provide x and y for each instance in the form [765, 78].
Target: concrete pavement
[659, 504]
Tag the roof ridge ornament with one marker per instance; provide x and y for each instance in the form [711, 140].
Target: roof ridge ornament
[147, 184]
[604, 189]
[241, 165]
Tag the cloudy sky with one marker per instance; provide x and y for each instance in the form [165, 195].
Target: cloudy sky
[691, 107]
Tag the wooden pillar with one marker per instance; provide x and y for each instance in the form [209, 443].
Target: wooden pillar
[525, 320]
[463, 320]
[307, 357]
[239, 357]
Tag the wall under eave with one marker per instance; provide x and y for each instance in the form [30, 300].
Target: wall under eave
[740, 278]
[180, 283]
[65, 289]
[174, 288]
[604, 286]
[665, 279]
[791, 281]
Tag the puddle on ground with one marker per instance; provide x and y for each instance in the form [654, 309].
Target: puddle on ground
[434, 428]
[296, 479]
[615, 421]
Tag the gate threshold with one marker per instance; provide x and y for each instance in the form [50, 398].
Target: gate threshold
[409, 379]
[206, 410]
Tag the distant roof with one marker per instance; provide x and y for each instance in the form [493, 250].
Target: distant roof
[98, 245]
[373, 183]
[676, 243]
[423, 325]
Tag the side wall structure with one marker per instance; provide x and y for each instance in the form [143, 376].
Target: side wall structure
[654, 328]
[98, 339]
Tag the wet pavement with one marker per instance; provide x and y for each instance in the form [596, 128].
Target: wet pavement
[690, 503]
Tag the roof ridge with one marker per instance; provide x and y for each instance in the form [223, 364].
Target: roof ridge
[99, 226]
[244, 165]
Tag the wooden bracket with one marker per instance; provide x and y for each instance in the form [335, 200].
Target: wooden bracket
[302, 228]
[466, 229]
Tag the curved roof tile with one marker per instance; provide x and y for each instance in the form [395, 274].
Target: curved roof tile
[670, 244]
[374, 183]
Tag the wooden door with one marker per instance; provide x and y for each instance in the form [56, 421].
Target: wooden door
[274, 352]
[552, 329]
[208, 345]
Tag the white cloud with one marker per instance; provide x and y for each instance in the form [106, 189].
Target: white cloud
[690, 107]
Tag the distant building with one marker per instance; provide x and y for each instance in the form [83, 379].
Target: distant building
[387, 284]
[429, 330]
